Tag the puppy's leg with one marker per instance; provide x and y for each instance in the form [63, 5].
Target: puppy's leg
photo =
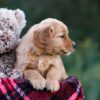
[52, 79]
[37, 81]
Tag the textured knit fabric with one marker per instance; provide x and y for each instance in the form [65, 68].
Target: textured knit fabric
[11, 24]
[10, 89]
[7, 63]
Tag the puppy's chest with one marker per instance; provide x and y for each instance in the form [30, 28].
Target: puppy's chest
[41, 63]
[44, 64]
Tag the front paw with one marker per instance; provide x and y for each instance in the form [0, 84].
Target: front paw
[52, 85]
[39, 84]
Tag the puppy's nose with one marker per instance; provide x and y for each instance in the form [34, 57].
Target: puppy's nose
[74, 45]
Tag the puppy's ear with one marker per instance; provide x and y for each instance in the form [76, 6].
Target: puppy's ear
[43, 38]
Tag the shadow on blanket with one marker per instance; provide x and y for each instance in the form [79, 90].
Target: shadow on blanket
[11, 89]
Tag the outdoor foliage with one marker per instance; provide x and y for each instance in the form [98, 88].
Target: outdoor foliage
[85, 64]
[83, 20]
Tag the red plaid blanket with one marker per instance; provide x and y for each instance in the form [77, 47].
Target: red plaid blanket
[11, 89]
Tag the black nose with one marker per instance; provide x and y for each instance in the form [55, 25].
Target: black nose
[74, 45]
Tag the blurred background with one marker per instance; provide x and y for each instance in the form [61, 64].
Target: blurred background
[83, 20]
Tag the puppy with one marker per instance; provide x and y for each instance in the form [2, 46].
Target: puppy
[38, 54]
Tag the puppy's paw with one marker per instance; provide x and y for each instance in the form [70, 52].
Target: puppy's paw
[39, 84]
[52, 85]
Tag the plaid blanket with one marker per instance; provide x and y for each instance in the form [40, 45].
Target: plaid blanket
[11, 89]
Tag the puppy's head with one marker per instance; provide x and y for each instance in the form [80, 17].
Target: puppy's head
[51, 36]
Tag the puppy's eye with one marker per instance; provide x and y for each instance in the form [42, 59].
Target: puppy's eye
[62, 36]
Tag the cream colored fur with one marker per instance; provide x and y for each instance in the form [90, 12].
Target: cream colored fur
[38, 55]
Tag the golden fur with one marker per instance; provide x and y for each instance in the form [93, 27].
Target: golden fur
[38, 55]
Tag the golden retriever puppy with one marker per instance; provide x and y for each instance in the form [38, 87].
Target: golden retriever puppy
[38, 54]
